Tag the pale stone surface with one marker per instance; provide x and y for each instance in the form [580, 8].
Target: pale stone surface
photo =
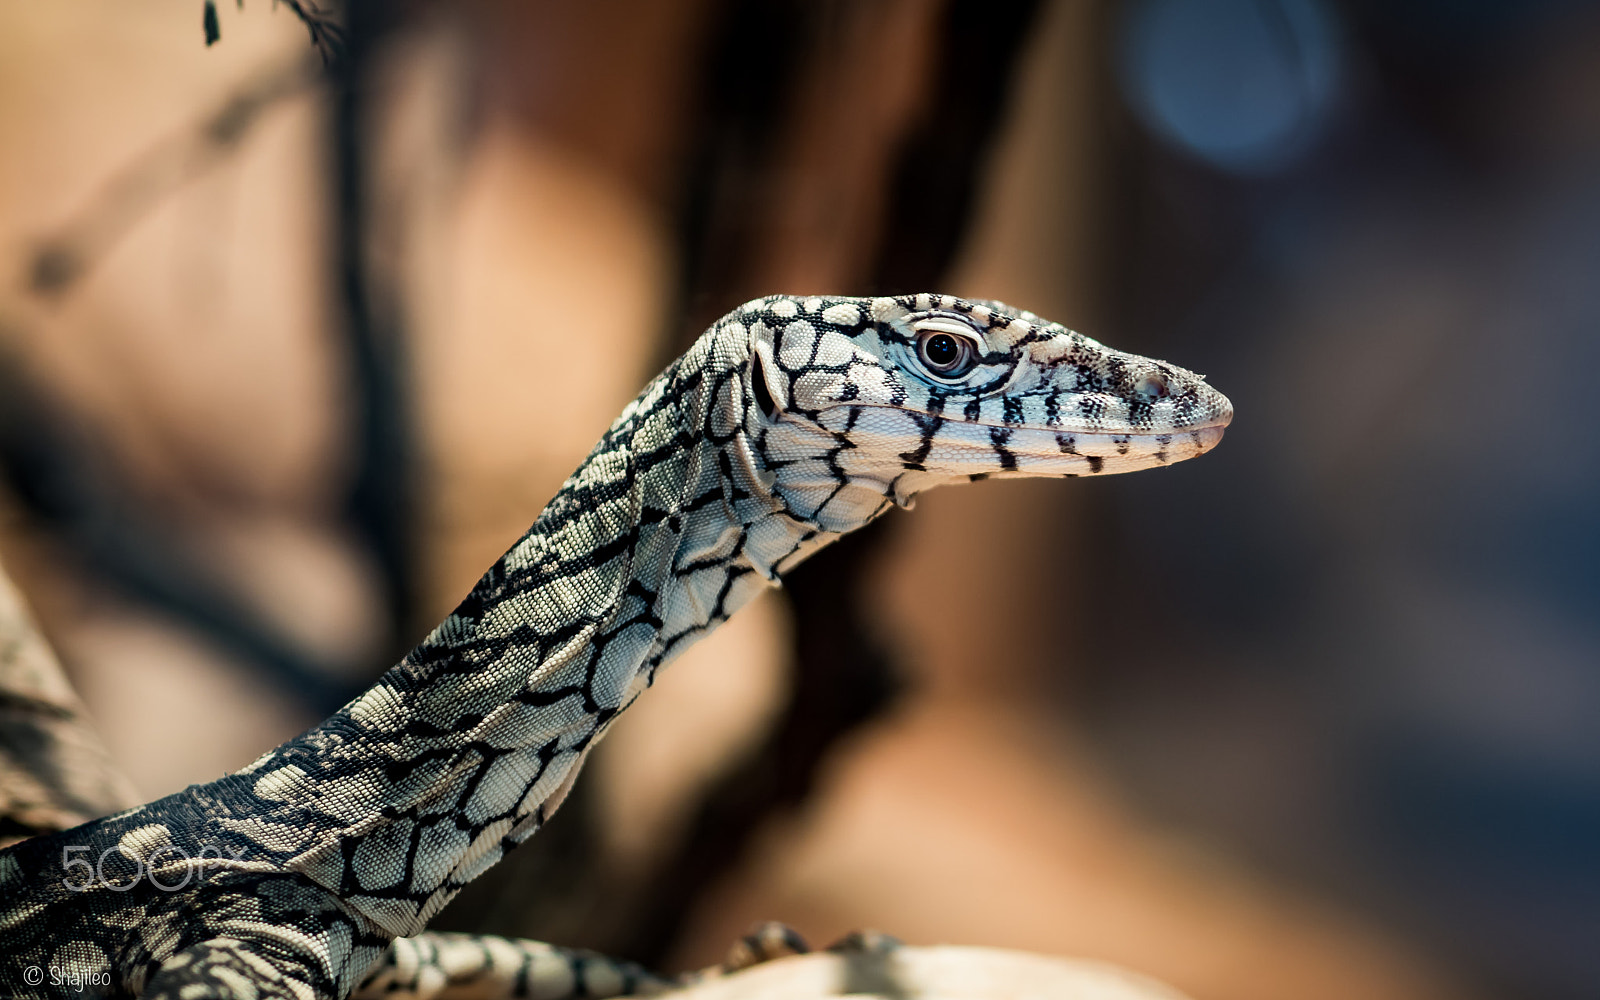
[938, 973]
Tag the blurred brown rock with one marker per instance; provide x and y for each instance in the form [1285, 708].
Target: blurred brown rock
[54, 771]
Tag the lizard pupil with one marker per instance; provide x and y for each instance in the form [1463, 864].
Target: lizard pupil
[941, 351]
[945, 354]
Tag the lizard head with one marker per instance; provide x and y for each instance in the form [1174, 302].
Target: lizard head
[852, 403]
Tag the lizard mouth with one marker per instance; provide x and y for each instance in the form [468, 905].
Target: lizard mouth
[1034, 451]
[1212, 423]
[997, 451]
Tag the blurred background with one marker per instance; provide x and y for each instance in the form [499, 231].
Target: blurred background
[305, 312]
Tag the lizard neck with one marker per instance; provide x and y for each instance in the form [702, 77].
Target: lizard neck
[470, 743]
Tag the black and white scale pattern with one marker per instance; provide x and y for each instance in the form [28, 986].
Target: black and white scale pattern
[789, 423]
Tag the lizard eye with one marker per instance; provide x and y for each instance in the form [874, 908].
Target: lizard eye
[946, 355]
[1152, 387]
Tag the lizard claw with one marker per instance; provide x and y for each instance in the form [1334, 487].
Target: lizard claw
[765, 942]
[865, 942]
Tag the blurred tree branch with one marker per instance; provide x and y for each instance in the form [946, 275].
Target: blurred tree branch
[130, 194]
[381, 499]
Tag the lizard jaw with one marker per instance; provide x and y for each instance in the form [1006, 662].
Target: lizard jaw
[957, 451]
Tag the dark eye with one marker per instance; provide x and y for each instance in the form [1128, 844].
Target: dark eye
[946, 354]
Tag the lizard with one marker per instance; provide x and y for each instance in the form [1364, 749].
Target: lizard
[790, 422]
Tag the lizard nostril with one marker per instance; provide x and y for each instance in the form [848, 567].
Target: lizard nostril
[1151, 387]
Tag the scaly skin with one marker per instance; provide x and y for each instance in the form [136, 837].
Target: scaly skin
[789, 423]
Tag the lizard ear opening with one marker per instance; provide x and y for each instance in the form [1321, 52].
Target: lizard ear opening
[759, 387]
